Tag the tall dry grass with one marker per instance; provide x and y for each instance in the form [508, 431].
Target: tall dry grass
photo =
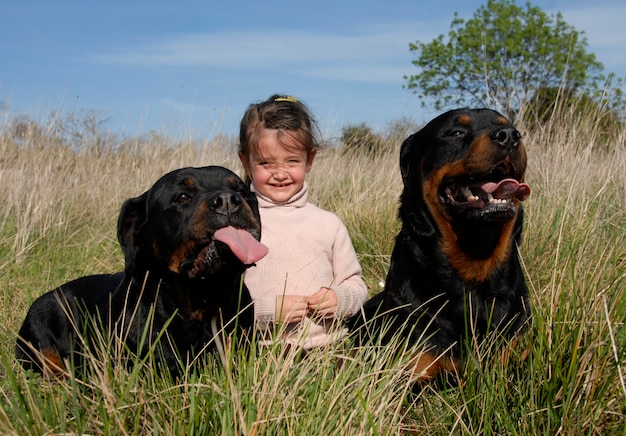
[58, 211]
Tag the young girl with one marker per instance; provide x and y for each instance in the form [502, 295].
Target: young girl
[311, 276]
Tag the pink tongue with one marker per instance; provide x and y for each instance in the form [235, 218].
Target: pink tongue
[242, 244]
[507, 188]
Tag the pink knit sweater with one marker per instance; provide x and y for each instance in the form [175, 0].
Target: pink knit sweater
[309, 248]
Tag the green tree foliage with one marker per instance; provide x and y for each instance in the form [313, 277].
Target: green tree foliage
[361, 139]
[501, 57]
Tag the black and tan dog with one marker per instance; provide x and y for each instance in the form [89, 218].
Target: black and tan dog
[186, 242]
[455, 269]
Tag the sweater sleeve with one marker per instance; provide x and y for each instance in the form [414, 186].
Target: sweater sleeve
[348, 282]
[265, 309]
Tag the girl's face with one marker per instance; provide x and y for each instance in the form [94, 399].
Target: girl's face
[277, 171]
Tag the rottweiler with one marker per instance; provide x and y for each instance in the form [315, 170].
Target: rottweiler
[186, 243]
[455, 273]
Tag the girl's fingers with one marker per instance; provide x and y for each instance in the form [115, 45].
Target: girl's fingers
[291, 308]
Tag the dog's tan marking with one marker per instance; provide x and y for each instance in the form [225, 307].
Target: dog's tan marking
[189, 183]
[464, 119]
[232, 181]
[52, 364]
[424, 366]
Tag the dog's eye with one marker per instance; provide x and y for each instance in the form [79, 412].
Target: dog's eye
[457, 133]
[182, 198]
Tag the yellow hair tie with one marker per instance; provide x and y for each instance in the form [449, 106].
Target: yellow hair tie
[290, 99]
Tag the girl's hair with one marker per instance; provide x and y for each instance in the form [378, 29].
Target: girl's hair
[283, 113]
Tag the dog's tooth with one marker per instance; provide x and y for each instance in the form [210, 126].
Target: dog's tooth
[490, 198]
[468, 194]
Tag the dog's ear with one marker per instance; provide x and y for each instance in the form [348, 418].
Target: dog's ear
[412, 210]
[406, 158]
[132, 217]
[412, 160]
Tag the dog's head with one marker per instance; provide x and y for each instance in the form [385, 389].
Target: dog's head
[463, 177]
[194, 223]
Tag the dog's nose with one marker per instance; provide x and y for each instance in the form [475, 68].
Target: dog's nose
[506, 137]
[225, 201]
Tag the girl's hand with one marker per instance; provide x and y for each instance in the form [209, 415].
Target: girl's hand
[291, 308]
[323, 303]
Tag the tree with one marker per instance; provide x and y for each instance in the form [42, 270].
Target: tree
[361, 139]
[501, 57]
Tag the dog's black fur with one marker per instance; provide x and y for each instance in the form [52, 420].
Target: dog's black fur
[455, 269]
[177, 279]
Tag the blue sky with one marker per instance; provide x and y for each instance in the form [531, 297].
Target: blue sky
[192, 67]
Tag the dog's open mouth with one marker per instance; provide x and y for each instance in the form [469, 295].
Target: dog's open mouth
[481, 194]
[240, 242]
[485, 197]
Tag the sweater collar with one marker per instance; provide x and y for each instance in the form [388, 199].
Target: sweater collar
[299, 199]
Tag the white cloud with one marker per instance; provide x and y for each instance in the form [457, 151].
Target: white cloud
[381, 56]
[362, 73]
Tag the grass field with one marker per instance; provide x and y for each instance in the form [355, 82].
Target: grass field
[58, 211]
